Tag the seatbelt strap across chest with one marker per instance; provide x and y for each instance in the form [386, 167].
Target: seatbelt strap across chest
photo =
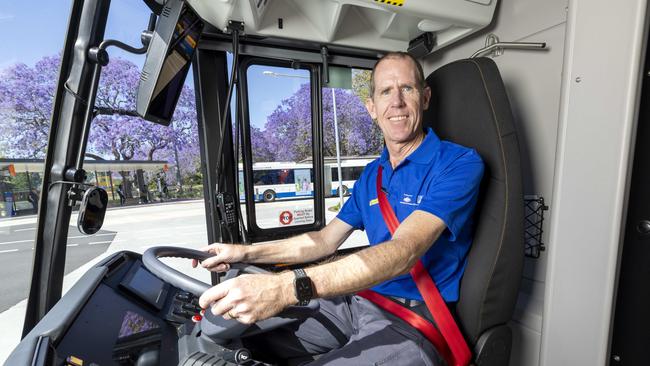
[447, 337]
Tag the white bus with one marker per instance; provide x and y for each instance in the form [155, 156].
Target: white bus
[286, 180]
[351, 169]
[279, 180]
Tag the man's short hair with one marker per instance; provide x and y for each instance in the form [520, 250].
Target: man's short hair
[398, 55]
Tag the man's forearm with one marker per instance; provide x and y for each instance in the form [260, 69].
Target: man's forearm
[381, 262]
[303, 248]
[363, 269]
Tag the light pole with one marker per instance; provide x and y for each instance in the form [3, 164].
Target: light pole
[178, 168]
[338, 152]
[336, 130]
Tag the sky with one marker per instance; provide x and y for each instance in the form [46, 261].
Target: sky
[34, 34]
[30, 35]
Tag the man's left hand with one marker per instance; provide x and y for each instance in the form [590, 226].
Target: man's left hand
[250, 298]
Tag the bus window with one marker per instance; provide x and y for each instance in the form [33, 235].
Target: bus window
[351, 169]
[273, 176]
[280, 115]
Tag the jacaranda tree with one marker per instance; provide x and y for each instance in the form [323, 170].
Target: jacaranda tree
[287, 133]
[26, 97]
[27, 94]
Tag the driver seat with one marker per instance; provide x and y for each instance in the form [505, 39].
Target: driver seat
[469, 106]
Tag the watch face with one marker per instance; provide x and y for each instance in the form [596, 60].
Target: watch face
[303, 288]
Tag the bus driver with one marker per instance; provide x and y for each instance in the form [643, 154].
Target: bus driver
[432, 186]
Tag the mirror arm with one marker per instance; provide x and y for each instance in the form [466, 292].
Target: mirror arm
[75, 177]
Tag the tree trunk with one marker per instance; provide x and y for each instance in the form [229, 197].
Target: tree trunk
[144, 197]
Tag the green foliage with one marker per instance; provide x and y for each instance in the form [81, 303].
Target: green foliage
[20, 182]
[335, 208]
[361, 84]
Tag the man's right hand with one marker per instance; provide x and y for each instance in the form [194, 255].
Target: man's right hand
[222, 256]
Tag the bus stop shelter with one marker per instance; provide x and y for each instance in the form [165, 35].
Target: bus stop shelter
[102, 170]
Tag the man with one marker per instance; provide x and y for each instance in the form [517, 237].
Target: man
[432, 185]
[32, 197]
[120, 193]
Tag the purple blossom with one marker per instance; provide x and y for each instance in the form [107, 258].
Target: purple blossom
[27, 94]
[287, 133]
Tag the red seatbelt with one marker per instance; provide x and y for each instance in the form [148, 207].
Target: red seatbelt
[447, 338]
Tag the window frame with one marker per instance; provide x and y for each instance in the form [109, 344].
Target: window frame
[255, 232]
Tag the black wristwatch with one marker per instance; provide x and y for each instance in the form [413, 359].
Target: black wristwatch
[303, 287]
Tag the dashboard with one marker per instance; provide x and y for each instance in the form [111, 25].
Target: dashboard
[119, 313]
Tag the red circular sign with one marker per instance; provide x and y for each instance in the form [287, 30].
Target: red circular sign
[286, 217]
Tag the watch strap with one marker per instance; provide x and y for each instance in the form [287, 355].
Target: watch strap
[300, 276]
[299, 272]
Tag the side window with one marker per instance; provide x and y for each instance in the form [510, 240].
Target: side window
[281, 123]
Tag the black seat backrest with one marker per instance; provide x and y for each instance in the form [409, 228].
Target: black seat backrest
[470, 107]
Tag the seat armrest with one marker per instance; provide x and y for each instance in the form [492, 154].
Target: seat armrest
[493, 347]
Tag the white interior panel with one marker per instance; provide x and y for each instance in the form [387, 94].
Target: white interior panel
[366, 24]
[597, 119]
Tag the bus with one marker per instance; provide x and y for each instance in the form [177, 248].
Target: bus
[282, 180]
[279, 180]
[351, 169]
[554, 95]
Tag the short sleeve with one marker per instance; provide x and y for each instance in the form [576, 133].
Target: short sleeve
[351, 212]
[453, 194]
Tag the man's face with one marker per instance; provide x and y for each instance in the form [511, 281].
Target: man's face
[397, 103]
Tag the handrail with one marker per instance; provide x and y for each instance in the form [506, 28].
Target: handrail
[510, 45]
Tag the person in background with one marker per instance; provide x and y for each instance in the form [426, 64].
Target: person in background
[32, 197]
[120, 193]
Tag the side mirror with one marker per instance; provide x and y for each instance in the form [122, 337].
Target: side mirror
[92, 210]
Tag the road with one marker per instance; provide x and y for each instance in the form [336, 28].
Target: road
[131, 228]
[16, 255]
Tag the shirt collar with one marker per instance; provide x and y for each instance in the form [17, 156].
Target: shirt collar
[424, 154]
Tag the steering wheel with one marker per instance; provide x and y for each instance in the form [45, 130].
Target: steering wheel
[213, 326]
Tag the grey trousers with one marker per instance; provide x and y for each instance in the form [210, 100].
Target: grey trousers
[351, 330]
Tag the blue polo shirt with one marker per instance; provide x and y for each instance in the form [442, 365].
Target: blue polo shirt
[439, 177]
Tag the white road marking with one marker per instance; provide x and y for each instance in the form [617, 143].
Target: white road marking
[72, 245]
[8, 251]
[28, 229]
[17, 241]
[98, 242]
[90, 236]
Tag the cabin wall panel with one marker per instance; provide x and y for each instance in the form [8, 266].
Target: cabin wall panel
[525, 345]
[514, 20]
[600, 89]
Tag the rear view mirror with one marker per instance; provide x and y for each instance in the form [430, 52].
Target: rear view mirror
[92, 210]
